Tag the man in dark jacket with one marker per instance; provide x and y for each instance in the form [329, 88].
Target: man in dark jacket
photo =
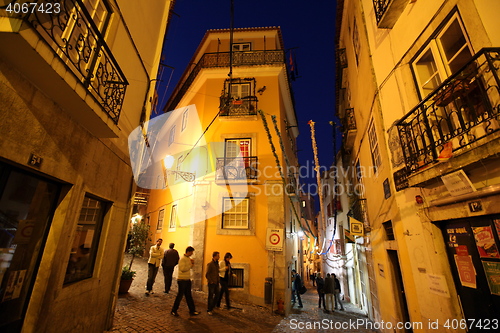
[169, 261]
[337, 293]
[320, 287]
[296, 286]
[213, 278]
[329, 290]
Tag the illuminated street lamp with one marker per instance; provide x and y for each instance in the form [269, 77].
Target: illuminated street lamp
[168, 162]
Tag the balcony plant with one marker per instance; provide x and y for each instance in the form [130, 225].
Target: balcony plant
[138, 236]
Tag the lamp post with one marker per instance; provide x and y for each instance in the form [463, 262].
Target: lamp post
[168, 162]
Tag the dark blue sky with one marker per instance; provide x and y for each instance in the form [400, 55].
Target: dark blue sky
[307, 26]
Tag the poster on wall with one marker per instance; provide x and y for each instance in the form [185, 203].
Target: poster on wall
[485, 242]
[492, 271]
[465, 267]
[497, 226]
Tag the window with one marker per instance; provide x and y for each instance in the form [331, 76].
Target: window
[242, 47]
[240, 90]
[235, 213]
[389, 232]
[85, 245]
[184, 119]
[171, 135]
[238, 147]
[355, 41]
[372, 136]
[161, 215]
[444, 55]
[237, 280]
[173, 218]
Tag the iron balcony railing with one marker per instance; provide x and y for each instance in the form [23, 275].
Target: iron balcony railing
[70, 31]
[359, 210]
[349, 121]
[380, 7]
[222, 59]
[462, 110]
[236, 168]
[246, 106]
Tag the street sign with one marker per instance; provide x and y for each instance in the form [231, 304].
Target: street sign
[274, 239]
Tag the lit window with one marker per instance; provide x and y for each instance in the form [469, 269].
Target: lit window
[173, 218]
[242, 47]
[161, 215]
[85, 245]
[235, 213]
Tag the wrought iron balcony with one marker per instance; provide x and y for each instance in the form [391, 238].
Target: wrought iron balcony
[74, 37]
[461, 111]
[222, 59]
[236, 169]
[246, 106]
[349, 127]
[387, 12]
[359, 210]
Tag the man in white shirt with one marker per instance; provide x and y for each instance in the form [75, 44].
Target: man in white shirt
[155, 257]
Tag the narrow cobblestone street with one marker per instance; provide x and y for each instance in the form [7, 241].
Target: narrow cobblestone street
[136, 312]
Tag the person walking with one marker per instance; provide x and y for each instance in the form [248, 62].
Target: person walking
[225, 273]
[155, 256]
[296, 286]
[320, 287]
[184, 283]
[337, 293]
[212, 276]
[329, 290]
[170, 260]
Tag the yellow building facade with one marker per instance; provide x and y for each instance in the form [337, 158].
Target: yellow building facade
[238, 201]
[418, 93]
[75, 80]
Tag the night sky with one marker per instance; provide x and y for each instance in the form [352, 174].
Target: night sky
[308, 27]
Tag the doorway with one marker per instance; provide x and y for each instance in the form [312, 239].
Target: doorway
[27, 204]
[399, 288]
[473, 248]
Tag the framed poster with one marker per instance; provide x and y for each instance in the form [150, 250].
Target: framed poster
[492, 271]
[485, 242]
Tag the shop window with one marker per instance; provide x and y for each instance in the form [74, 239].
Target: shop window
[86, 242]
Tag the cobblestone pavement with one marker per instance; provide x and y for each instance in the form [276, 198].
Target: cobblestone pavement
[136, 312]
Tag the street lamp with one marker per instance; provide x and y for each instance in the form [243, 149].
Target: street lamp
[168, 162]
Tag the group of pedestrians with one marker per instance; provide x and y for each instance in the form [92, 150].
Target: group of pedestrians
[217, 274]
[329, 292]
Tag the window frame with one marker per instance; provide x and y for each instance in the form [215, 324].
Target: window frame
[94, 247]
[161, 218]
[374, 147]
[227, 212]
[241, 46]
[437, 51]
[173, 218]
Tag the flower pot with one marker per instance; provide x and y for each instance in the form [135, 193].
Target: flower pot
[124, 286]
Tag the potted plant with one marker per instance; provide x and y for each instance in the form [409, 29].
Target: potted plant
[138, 236]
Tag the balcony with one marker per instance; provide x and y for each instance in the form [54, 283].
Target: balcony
[387, 12]
[358, 210]
[463, 113]
[349, 126]
[65, 56]
[221, 60]
[246, 106]
[236, 169]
